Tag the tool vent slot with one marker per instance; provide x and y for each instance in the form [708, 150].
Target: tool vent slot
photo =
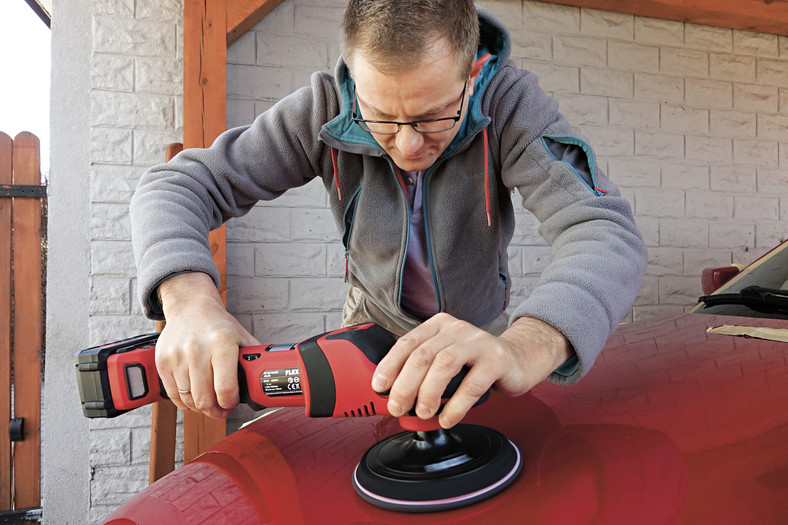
[364, 411]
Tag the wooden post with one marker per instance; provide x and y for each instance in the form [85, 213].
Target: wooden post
[6, 167]
[204, 119]
[28, 323]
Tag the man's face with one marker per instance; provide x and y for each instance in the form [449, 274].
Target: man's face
[431, 89]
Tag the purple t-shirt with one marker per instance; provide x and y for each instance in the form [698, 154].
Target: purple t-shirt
[418, 290]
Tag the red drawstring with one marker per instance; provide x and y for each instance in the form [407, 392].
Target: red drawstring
[336, 172]
[486, 177]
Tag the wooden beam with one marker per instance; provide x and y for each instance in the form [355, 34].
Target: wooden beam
[241, 16]
[204, 119]
[763, 16]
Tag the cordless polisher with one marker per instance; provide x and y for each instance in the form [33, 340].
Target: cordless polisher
[423, 469]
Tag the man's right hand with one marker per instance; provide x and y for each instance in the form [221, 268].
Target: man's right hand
[197, 352]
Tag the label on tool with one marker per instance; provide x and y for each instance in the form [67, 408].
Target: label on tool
[281, 382]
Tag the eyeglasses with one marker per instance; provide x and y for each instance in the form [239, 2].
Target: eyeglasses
[391, 127]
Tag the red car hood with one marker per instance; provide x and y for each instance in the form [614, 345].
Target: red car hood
[672, 425]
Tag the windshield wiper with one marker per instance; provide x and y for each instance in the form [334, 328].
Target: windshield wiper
[755, 297]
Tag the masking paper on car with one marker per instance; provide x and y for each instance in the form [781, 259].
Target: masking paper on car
[758, 332]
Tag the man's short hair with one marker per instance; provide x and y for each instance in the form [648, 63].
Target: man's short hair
[395, 34]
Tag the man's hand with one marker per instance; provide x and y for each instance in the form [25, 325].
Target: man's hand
[197, 352]
[420, 365]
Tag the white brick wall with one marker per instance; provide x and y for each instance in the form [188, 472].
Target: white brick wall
[690, 121]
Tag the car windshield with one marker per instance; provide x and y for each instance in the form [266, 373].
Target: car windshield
[760, 290]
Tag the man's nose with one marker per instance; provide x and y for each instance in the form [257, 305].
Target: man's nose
[409, 141]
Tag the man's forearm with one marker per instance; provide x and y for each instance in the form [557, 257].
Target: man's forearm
[541, 343]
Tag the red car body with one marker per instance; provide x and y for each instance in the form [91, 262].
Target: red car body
[672, 425]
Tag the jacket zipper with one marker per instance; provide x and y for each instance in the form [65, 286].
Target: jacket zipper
[351, 209]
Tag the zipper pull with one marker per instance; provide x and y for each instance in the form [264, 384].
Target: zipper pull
[346, 258]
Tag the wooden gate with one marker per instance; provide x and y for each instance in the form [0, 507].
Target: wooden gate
[21, 328]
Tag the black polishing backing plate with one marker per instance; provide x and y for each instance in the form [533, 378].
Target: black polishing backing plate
[437, 470]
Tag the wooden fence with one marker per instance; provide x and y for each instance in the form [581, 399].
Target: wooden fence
[22, 200]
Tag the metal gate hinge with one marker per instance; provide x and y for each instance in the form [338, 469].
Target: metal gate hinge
[23, 190]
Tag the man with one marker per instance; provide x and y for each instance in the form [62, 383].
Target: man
[419, 139]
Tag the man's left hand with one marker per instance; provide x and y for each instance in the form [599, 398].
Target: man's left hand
[420, 365]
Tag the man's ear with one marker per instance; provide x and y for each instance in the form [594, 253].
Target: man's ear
[476, 69]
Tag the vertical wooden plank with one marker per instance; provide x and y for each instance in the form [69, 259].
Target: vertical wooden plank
[28, 323]
[204, 118]
[6, 165]
[165, 414]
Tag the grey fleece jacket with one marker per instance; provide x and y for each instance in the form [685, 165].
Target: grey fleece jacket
[513, 137]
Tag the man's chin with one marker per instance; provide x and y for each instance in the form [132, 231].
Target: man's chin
[414, 165]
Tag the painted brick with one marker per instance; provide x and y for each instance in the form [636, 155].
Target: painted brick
[314, 225]
[140, 446]
[283, 51]
[685, 176]
[112, 258]
[583, 109]
[680, 118]
[119, 8]
[736, 124]
[291, 260]
[773, 181]
[648, 289]
[696, 260]
[533, 45]
[630, 56]
[663, 261]
[709, 205]
[709, 38]
[738, 68]
[159, 75]
[655, 312]
[110, 146]
[708, 93]
[783, 100]
[317, 21]
[769, 234]
[659, 87]
[608, 141]
[113, 183]
[516, 258]
[606, 24]
[109, 296]
[750, 97]
[112, 73]
[659, 32]
[310, 195]
[783, 44]
[679, 290]
[552, 78]
[630, 172]
[659, 202]
[288, 328]
[133, 37]
[110, 447]
[103, 328]
[634, 113]
[606, 82]
[335, 256]
[754, 208]
[258, 83]
[240, 259]
[663, 145]
[535, 259]
[248, 229]
[725, 234]
[684, 62]
[739, 179]
[150, 146]
[110, 222]
[244, 50]
[511, 12]
[137, 418]
[127, 110]
[709, 149]
[783, 155]
[755, 152]
[649, 229]
[160, 10]
[317, 295]
[683, 233]
[758, 44]
[249, 295]
[117, 484]
[580, 51]
[240, 112]
[772, 72]
[773, 127]
[281, 20]
[551, 17]
[525, 228]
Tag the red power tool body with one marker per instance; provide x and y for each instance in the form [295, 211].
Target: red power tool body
[329, 374]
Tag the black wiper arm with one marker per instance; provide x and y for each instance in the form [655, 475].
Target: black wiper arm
[755, 297]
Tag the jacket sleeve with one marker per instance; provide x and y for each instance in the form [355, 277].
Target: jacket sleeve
[176, 204]
[598, 257]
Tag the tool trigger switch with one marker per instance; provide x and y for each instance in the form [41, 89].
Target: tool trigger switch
[250, 357]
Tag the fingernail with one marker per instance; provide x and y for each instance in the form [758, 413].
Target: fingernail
[394, 409]
[422, 411]
[378, 382]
